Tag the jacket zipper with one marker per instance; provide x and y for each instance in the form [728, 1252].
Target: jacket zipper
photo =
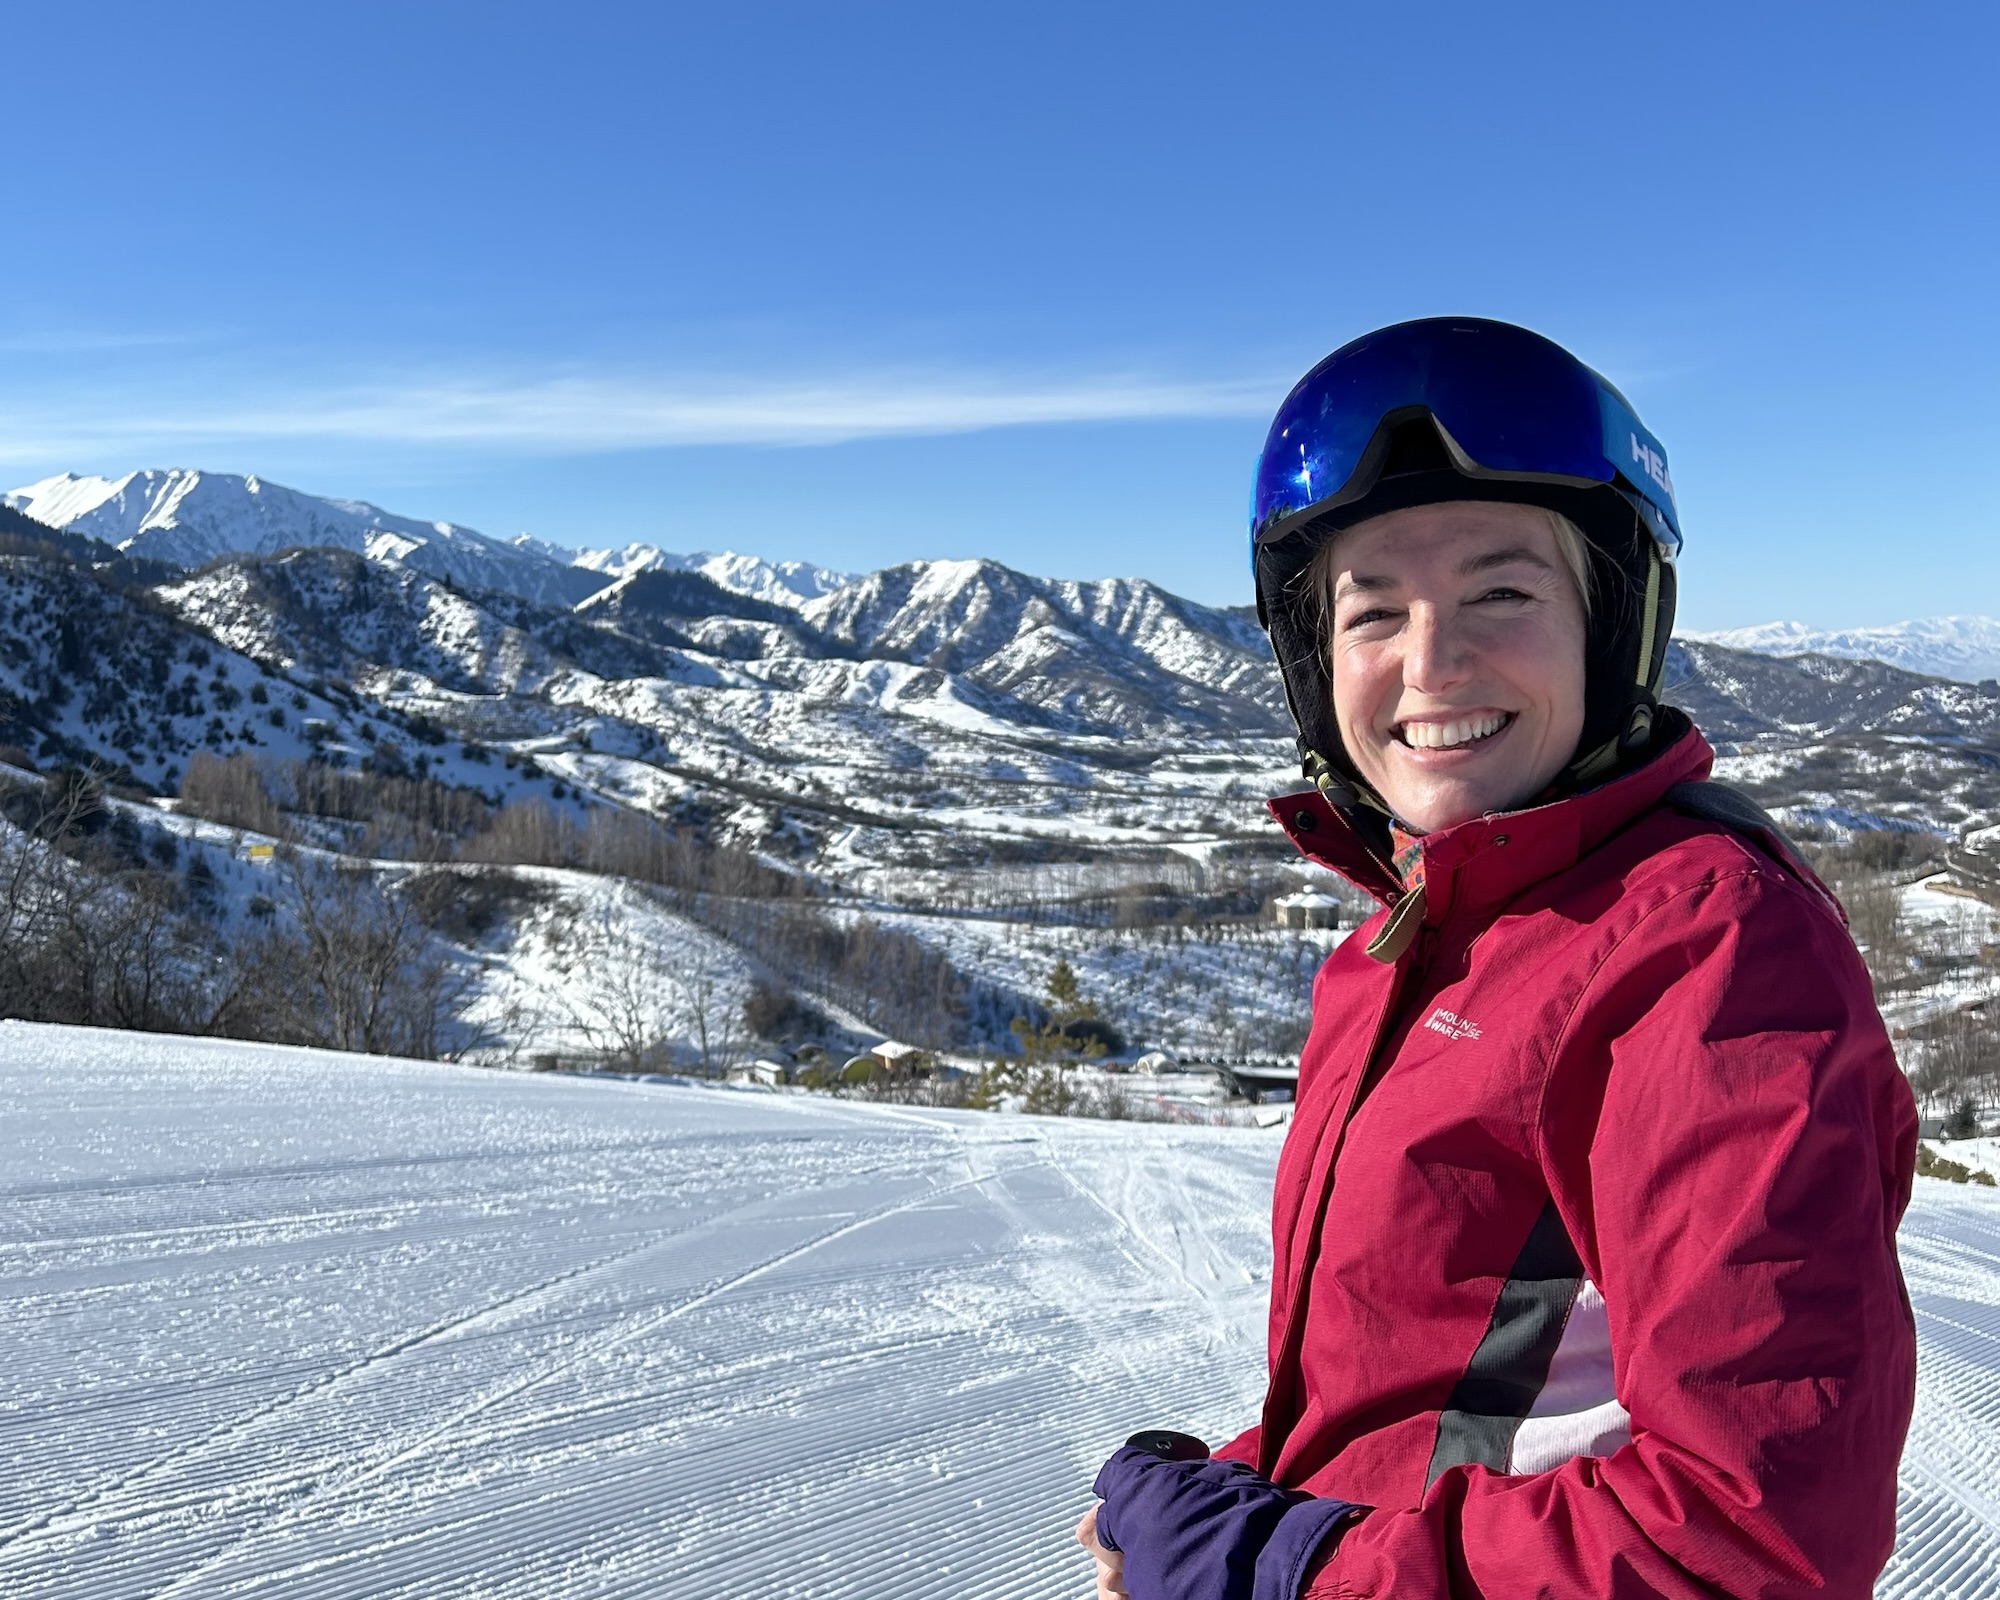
[1286, 1369]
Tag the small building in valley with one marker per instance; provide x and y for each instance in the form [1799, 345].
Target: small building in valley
[904, 1060]
[1306, 909]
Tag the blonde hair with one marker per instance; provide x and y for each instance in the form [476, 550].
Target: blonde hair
[1575, 551]
[1570, 545]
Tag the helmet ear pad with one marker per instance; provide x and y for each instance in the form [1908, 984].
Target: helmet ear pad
[1620, 688]
[1631, 617]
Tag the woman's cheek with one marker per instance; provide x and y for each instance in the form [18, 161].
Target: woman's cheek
[1359, 674]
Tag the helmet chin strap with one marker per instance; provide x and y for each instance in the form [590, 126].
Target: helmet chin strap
[1342, 792]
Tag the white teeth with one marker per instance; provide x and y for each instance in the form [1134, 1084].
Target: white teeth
[1444, 735]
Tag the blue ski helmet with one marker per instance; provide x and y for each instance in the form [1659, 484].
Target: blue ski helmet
[1461, 408]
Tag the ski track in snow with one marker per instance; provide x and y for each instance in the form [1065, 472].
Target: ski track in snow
[286, 1323]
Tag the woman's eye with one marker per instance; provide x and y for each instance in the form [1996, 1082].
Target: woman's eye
[1362, 619]
[1503, 592]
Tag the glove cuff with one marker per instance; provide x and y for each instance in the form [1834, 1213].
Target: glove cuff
[1282, 1563]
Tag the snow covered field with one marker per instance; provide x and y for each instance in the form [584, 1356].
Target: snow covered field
[285, 1323]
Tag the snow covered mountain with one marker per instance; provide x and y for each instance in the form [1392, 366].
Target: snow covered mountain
[389, 628]
[1826, 739]
[924, 730]
[1121, 653]
[784, 583]
[92, 674]
[967, 755]
[189, 518]
[947, 709]
[1962, 647]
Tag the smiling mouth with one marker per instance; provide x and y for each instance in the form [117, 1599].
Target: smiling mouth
[1452, 735]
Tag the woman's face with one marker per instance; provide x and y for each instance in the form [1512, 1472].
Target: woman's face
[1457, 655]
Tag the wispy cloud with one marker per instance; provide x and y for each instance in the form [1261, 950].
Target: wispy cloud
[79, 341]
[580, 414]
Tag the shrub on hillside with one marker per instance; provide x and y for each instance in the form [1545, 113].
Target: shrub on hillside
[773, 1012]
[468, 904]
[1932, 1165]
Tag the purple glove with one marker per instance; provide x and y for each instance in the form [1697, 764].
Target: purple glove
[1208, 1530]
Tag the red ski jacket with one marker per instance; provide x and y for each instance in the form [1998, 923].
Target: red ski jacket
[1585, 1275]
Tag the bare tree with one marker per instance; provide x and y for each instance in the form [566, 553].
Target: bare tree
[700, 994]
[350, 968]
[89, 932]
[615, 1006]
[37, 882]
[635, 998]
[234, 791]
[1959, 1059]
[153, 967]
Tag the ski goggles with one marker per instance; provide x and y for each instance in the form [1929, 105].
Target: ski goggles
[1509, 405]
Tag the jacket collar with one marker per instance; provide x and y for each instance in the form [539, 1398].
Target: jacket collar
[1492, 858]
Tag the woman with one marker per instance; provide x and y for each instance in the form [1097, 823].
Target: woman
[1585, 1280]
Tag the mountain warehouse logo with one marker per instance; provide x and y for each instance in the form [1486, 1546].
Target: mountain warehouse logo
[1451, 1024]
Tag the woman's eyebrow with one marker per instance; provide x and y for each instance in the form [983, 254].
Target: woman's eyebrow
[1503, 558]
[1375, 583]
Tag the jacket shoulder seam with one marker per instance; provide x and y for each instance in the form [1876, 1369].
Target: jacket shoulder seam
[1752, 870]
[1757, 864]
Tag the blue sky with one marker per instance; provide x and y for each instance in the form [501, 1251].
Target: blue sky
[864, 283]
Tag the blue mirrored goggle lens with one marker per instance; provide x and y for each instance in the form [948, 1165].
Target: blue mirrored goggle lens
[1511, 400]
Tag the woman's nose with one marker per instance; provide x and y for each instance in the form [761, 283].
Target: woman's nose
[1435, 656]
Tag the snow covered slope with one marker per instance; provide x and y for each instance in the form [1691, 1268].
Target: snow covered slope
[279, 1322]
[329, 612]
[1967, 648]
[189, 518]
[89, 675]
[320, 1326]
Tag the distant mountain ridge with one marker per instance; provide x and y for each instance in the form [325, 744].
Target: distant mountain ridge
[1106, 656]
[1963, 647]
[188, 518]
[931, 717]
[785, 583]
